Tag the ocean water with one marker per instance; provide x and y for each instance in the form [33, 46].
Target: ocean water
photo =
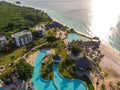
[94, 17]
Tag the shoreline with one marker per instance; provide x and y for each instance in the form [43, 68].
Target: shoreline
[77, 31]
[85, 35]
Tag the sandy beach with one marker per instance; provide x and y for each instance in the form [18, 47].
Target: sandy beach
[111, 61]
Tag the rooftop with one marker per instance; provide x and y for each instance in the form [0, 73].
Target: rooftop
[22, 33]
[39, 27]
[56, 57]
[83, 62]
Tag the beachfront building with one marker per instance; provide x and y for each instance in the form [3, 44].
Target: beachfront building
[22, 38]
[3, 40]
[40, 29]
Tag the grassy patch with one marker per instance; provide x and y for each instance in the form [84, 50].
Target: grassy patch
[10, 57]
[61, 51]
[47, 70]
[66, 68]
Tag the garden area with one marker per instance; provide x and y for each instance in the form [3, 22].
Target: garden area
[47, 69]
[67, 69]
[21, 68]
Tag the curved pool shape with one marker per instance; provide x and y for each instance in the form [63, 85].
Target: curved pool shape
[57, 83]
[75, 37]
[67, 84]
[38, 82]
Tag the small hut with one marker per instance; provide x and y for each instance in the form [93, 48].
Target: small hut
[56, 58]
[83, 63]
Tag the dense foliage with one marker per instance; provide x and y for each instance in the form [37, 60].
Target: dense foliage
[47, 69]
[15, 18]
[67, 69]
[75, 50]
[51, 38]
[25, 70]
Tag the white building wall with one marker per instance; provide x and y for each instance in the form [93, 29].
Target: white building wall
[3, 41]
[26, 40]
[23, 39]
[43, 32]
[17, 42]
[29, 38]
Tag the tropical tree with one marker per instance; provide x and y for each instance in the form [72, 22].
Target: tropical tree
[25, 70]
[51, 38]
[75, 50]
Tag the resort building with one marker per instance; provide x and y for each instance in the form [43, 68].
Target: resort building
[22, 38]
[40, 29]
[3, 40]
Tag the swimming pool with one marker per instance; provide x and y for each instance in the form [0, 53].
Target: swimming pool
[67, 84]
[38, 82]
[74, 36]
[57, 83]
[1, 88]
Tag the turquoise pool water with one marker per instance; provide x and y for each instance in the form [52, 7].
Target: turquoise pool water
[38, 83]
[74, 36]
[57, 83]
[1, 88]
[66, 84]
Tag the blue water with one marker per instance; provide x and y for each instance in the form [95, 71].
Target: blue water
[57, 83]
[75, 37]
[66, 84]
[38, 83]
[1, 88]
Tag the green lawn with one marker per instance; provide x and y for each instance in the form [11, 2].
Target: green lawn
[47, 70]
[8, 58]
[61, 51]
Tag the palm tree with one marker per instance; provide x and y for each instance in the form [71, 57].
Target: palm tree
[60, 34]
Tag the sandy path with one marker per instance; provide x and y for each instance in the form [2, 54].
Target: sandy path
[31, 59]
